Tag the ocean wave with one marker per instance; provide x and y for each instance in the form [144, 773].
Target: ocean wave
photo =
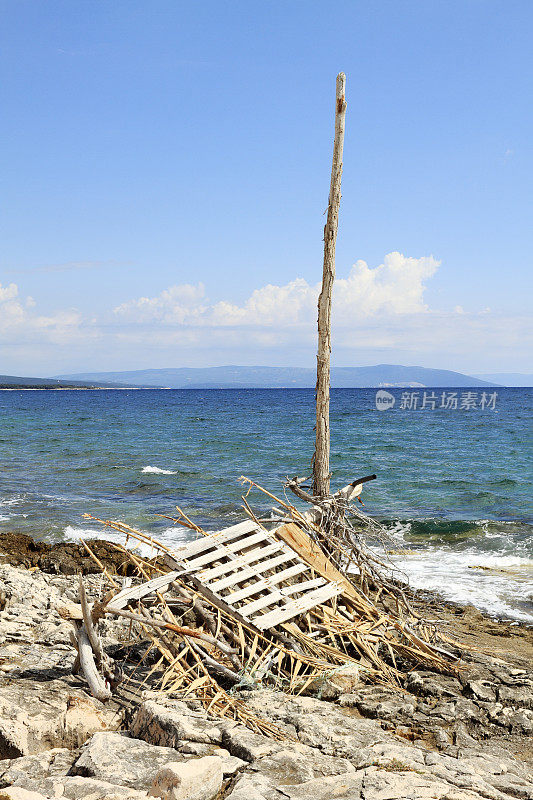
[493, 583]
[11, 501]
[174, 536]
[485, 563]
[158, 471]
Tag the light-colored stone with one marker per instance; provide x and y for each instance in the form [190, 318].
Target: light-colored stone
[173, 722]
[334, 787]
[78, 788]
[382, 785]
[244, 744]
[296, 763]
[36, 716]
[342, 680]
[331, 685]
[16, 793]
[253, 787]
[117, 758]
[28, 771]
[199, 779]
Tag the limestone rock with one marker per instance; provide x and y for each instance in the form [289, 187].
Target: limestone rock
[482, 689]
[199, 779]
[16, 793]
[119, 759]
[230, 764]
[254, 787]
[38, 716]
[173, 722]
[296, 763]
[246, 745]
[334, 787]
[78, 788]
[517, 696]
[28, 771]
[383, 785]
[339, 681]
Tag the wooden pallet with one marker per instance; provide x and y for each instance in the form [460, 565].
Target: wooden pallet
[263, 580]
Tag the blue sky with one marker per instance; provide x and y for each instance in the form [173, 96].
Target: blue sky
[166, 169]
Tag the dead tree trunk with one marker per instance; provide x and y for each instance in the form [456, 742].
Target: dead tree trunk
[321, 459]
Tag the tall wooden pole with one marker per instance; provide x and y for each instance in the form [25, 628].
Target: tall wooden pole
[321, 459]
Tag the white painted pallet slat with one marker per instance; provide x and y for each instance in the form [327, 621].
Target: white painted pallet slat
[225, 550]
[240, 561]
[265, 583]
[132, 593]
[279, 594]
[246, 553]
[304, 586]
[269, 599]
[208, 541]
[249, 572]
[296, 606]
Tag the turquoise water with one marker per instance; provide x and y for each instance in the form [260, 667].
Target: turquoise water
[453, 485]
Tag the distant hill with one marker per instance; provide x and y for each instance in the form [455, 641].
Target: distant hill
[17, 382]
[509, 378]
[233, 377]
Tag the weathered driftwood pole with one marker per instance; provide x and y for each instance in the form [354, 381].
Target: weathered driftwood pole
[321, 459]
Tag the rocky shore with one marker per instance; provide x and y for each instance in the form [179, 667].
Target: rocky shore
[438, 737]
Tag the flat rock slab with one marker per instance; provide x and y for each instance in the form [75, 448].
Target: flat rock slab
[37, 716]
[200, 779]
[77, 788]
[27, 771]
[119, 759]
[173, 722]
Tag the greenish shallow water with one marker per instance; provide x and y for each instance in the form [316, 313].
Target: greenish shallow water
[453, 485]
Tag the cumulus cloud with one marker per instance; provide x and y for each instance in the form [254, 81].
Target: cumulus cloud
[177, 305]
[379, 310]
[379, 313]
[18, 321]
[394, 287]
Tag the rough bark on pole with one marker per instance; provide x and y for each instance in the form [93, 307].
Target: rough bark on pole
[321, 472]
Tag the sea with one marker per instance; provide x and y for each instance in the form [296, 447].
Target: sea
[453, 471]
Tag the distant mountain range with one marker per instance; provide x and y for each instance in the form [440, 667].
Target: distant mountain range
[234, 377]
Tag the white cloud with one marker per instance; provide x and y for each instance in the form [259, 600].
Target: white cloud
[394, 287]
[375, 309]
[19, 323]
[177, 305]
[379, 314]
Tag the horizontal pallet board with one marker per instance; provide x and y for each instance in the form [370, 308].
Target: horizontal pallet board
[295, 607]
[209, 541]
[251, 557]
[132, 593]
[258, 576]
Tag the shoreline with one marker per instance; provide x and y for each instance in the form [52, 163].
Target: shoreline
[467, 622]
[436, 736]
[69, 556]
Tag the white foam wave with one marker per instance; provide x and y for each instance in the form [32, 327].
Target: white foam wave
[451, 573]
[172, 537]
[158, 471]
[456, 576]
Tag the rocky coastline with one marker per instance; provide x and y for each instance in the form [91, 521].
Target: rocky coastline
[439, 737]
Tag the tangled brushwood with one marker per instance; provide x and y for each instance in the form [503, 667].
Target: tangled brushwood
[291, 607]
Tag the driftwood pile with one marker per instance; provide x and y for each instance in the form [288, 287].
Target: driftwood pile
[247, 606]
